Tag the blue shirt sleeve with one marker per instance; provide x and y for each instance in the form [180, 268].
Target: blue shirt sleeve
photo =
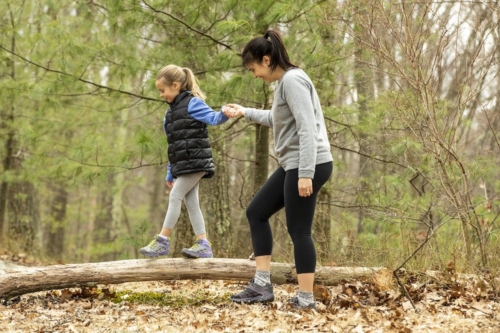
[200, 111]
[169, 177]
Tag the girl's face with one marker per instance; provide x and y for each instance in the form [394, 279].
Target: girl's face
[168, 93]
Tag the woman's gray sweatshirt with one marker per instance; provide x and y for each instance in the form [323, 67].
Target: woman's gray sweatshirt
[300, 137]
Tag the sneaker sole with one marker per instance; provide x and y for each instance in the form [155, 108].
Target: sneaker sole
[154, 255]
[194, 256]
[294, 303]
[304, 308]
[253, 300]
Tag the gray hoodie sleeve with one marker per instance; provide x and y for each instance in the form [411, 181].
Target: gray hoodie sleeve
[263, 117]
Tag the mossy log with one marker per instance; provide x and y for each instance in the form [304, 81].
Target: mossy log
[32, 279]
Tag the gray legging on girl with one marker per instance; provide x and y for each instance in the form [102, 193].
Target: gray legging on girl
[185, 188]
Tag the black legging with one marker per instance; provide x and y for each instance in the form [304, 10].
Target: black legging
[281, 190]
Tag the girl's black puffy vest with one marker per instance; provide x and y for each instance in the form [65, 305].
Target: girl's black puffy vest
[188, 143]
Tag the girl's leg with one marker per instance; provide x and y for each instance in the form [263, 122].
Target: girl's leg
[191, 200]
[182, 186]
[160, 245]
[202, 248]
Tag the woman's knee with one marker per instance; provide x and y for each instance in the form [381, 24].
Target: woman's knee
[251, 213]
[297, 230]
[301, 238]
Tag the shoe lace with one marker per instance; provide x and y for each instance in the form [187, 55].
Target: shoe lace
[247, 293]
[198, 245]
[153, 243]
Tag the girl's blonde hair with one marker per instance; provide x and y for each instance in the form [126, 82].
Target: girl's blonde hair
[184, 76]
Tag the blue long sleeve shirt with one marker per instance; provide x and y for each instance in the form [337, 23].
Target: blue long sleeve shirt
[199, 110]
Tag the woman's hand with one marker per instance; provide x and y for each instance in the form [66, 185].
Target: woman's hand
[305, 187]
[233, 110]
[169, 184]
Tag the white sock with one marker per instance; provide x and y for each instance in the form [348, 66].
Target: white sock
[305, 298]
[262, 278]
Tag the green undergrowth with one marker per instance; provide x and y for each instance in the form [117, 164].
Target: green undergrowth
[196, 298]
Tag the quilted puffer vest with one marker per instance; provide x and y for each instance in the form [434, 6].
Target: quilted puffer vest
[188, 142]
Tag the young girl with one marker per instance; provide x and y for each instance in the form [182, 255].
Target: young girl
[189, 155]
[303, 150]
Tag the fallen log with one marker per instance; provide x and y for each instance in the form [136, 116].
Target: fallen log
[32, 279]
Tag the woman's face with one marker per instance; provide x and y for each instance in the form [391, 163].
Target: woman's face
[261, 70]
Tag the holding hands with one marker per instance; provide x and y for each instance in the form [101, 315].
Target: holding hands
[233, 110]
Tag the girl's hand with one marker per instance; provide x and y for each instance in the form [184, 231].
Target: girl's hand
[169, 184]
[305, 187]
[233, 110]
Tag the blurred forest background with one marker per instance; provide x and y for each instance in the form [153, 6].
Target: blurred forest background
[409, 91]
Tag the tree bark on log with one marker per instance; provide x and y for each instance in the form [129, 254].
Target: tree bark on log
[32, 279]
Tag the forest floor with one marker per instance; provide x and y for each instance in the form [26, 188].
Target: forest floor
[439, 305]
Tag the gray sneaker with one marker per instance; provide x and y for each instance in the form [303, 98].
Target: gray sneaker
[159, 246]
[200, 249]
[294, 301]
[254, 294]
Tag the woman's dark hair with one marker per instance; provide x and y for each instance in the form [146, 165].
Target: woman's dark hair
[270, 45]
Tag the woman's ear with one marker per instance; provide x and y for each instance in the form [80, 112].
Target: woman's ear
[266, 60]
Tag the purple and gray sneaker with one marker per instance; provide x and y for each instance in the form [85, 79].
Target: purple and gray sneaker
[200, 249]
[254, 294]
[159, 246]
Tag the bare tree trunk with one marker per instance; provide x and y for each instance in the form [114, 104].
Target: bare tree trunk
[322, 223]
[15, 283]
[117, 225]
[57, 226]
[7, 124]
[157, 197]
[183, 235]
[239, 197]
[24, 215]
[364, 88]
[218, 221]
[102, 227]
[6, 163]
[261, 156]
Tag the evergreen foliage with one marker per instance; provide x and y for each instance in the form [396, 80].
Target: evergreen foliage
[409, 95]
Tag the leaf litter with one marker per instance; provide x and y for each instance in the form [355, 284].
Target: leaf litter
[443, 303]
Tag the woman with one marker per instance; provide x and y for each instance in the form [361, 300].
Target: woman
[305, 160]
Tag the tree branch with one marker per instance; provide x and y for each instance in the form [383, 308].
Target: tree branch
[187, 25]
[79, 78]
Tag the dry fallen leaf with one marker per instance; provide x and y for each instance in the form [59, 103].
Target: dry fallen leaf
[366, 308]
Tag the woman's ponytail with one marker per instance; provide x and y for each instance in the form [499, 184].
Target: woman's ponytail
[271, 45]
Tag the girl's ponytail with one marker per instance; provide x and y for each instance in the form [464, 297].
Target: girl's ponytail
[184, 76]
[192, 85]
